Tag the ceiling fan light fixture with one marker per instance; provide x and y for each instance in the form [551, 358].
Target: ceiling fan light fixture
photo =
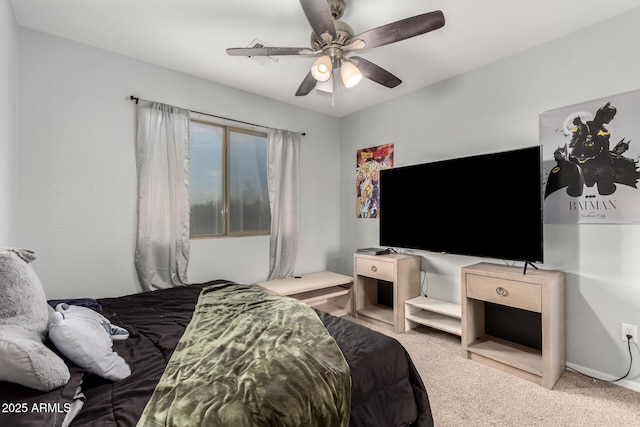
[322, 68]
[350, 74]
[332, 40]
[326, 86]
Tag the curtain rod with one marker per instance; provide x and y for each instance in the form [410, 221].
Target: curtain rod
[135, 98]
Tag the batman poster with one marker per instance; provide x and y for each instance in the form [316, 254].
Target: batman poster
[591, 154]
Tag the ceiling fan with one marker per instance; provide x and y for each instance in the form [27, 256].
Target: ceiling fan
[333, 41]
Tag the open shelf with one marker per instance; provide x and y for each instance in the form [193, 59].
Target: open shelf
[437, 314]
[510, 353]
[311, 297]
[335, 300]
[377, 312]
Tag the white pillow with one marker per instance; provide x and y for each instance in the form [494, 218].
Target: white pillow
[85, 337]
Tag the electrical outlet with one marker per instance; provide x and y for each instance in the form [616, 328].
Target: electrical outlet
[628, 329]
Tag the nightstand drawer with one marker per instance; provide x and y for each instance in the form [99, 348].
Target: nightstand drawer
[375, 268]
[527, 296]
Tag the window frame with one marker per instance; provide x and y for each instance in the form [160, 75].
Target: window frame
[227, 130]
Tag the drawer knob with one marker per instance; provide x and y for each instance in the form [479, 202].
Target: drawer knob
[374, 268]
[502, 291]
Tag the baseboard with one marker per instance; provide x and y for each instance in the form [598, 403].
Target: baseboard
[631, 385]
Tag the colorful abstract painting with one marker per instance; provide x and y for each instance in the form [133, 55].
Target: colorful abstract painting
[369, 163]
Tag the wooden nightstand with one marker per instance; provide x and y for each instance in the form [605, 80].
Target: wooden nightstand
[402, 272]
[326, 291]
[538, 294]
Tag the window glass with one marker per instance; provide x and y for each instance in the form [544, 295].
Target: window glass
[228, 173]
[249, 204]
[206, 179]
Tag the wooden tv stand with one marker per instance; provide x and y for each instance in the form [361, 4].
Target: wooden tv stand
[538, 291]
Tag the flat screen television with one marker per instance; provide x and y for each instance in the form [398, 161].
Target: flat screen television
[487, 205]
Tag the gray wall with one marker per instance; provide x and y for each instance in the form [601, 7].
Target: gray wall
[76, 175]
[496, 108]
[8, 121]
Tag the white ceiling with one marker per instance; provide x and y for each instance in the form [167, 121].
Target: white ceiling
[191, 36]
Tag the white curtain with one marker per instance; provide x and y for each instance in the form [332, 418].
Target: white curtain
[283, 173]
[162, 157]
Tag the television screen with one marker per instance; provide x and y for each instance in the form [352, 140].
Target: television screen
[487, 205]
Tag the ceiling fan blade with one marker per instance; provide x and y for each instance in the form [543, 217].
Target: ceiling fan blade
[319, 16]
[375, 73]
[307, 85]
[354, 45]
[271, 51]
[401, 30]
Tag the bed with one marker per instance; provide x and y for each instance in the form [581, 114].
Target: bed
[385, 387]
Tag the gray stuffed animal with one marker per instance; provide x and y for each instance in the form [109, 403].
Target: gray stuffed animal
[22, 300]
[24, 315]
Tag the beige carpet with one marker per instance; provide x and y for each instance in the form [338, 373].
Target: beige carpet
[467, 393]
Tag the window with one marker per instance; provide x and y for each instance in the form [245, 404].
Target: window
[228, 181]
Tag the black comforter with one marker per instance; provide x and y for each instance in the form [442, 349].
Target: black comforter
[386, 387]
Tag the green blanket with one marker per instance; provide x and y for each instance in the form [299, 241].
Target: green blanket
[249, 358]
